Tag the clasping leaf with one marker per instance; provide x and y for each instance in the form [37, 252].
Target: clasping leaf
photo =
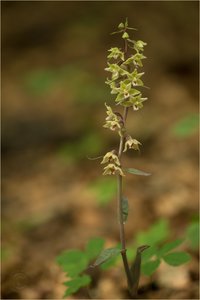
[137, 172]
[106, 255]
[125, 209]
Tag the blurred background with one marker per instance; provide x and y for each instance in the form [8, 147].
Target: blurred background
[53, 95]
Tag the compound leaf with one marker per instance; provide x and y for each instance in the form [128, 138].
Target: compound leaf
[177, 258]
[157, 233]
[94, 247]
[149, 267]
[73, 262]
[75, 284]
[169, 246]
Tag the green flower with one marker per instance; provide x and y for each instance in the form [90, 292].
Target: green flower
[127, 95]
[131, 144]
[137, 59]
[116, 53]
[114, 69]
[112, 169]
[112, 121]
[111, 83]
[110, 157]
[112, 125]
[134, 77]
[137, 103]
[139, 45]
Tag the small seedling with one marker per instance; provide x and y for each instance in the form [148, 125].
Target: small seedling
[148, 250]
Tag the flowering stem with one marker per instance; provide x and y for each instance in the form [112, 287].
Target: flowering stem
[120, 199]
[125, 78]
[120, 214]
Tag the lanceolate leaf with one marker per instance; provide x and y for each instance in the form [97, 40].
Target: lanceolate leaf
[75, 284]
[136, 267]
[177, 258]
[94, 247]
[106, 255]
[149, 267]
[169, 246]
[137, 172]
[125, 209]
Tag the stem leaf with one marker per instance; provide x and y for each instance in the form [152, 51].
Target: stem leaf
[137, 172]
[124, 209]
[106, 255]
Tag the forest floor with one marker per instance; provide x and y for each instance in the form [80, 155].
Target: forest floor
[50, 198]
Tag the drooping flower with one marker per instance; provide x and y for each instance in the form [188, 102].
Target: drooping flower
[131, 144]
[110, 157]
[139, 45]
[116, 53]
[112, 120]
[114, 69]
[112, 169]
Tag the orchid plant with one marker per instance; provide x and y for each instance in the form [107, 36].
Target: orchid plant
[125, 82]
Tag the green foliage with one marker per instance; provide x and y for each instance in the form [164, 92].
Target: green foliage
[159, 249]
[94, 247]
[137, 172]
[75, 284]
[186, 126]
[104, 189]
[156, 234]
[106, 255]
[75, 262]
[110, 263]
[149, 253]
[176, 258]
[169, 246]
[192, 233]
[150, 267]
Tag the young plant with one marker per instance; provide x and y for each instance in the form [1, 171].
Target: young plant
[126, 84]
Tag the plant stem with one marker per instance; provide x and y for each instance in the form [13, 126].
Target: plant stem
[120, 214]
[120, 199]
